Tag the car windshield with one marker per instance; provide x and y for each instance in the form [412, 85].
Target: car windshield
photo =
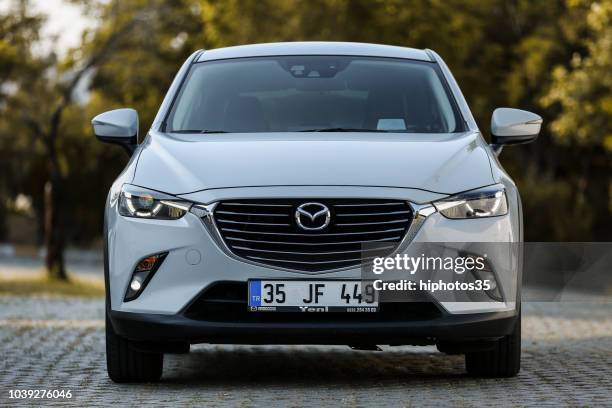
[314, 93]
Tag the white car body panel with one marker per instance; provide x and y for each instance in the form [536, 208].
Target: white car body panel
[438, 163]
[514, 122]
[409, 194]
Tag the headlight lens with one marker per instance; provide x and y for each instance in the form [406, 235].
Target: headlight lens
[142, 203]
[485, 202]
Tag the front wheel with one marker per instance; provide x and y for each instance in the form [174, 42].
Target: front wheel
[125, 364]
[504, 360]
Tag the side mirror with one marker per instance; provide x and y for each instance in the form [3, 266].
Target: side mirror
[119, 126]
[513, 126]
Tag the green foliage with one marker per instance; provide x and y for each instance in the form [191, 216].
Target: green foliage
[581, 96]
[18, 32]
[584, 89]
[552, 57]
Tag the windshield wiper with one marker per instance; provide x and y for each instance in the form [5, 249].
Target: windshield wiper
[340, 129]
[198, 131]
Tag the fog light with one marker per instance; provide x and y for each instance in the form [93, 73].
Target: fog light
[487, 275]
[145, 268]
[136, 284]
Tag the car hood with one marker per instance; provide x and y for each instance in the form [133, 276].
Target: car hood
[441, 163]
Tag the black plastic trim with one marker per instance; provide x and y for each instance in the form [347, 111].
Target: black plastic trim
[464, 327]
[170, 107]
[128, 145]
[160, 259]
[512, 140]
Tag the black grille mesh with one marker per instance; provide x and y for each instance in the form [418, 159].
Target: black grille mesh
[265, 231]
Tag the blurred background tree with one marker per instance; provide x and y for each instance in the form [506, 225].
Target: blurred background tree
[38, 105]
[551, 57]
[581, 98]
[18, 33]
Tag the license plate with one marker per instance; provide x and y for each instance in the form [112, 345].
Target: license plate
[311, 296]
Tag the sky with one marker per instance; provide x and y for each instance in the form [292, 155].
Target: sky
[64, 20]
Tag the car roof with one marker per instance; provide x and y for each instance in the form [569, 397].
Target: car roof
[314, 48]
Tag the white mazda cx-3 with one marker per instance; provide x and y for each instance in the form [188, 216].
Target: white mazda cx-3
[273, 174]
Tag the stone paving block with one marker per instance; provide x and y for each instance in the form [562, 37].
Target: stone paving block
[59, 344]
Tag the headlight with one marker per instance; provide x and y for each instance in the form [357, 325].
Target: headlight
[142, 203]
[484, 202]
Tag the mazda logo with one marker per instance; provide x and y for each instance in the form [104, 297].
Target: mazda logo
[312, 216]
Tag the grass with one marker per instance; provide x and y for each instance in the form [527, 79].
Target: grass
[40, 284]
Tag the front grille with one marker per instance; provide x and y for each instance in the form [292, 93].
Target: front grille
[266, 231]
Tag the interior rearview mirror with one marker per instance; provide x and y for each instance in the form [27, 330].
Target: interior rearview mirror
[119, 126]
[514, 126]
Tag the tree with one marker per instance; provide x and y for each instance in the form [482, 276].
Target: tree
[143, 64]
[584, 89]
[54, 82]
[582, 95]
[18, 32]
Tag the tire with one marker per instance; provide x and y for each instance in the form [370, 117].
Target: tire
[124, 364]
[502, 361]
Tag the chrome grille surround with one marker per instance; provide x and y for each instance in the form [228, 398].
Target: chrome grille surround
[263, 231]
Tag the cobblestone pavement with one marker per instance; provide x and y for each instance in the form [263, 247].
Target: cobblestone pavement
[59, 344]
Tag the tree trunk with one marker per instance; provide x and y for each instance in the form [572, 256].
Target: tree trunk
[54, 206]
[54, 234]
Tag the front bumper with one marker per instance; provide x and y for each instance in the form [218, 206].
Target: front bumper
[196, 261]
[453, 328]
